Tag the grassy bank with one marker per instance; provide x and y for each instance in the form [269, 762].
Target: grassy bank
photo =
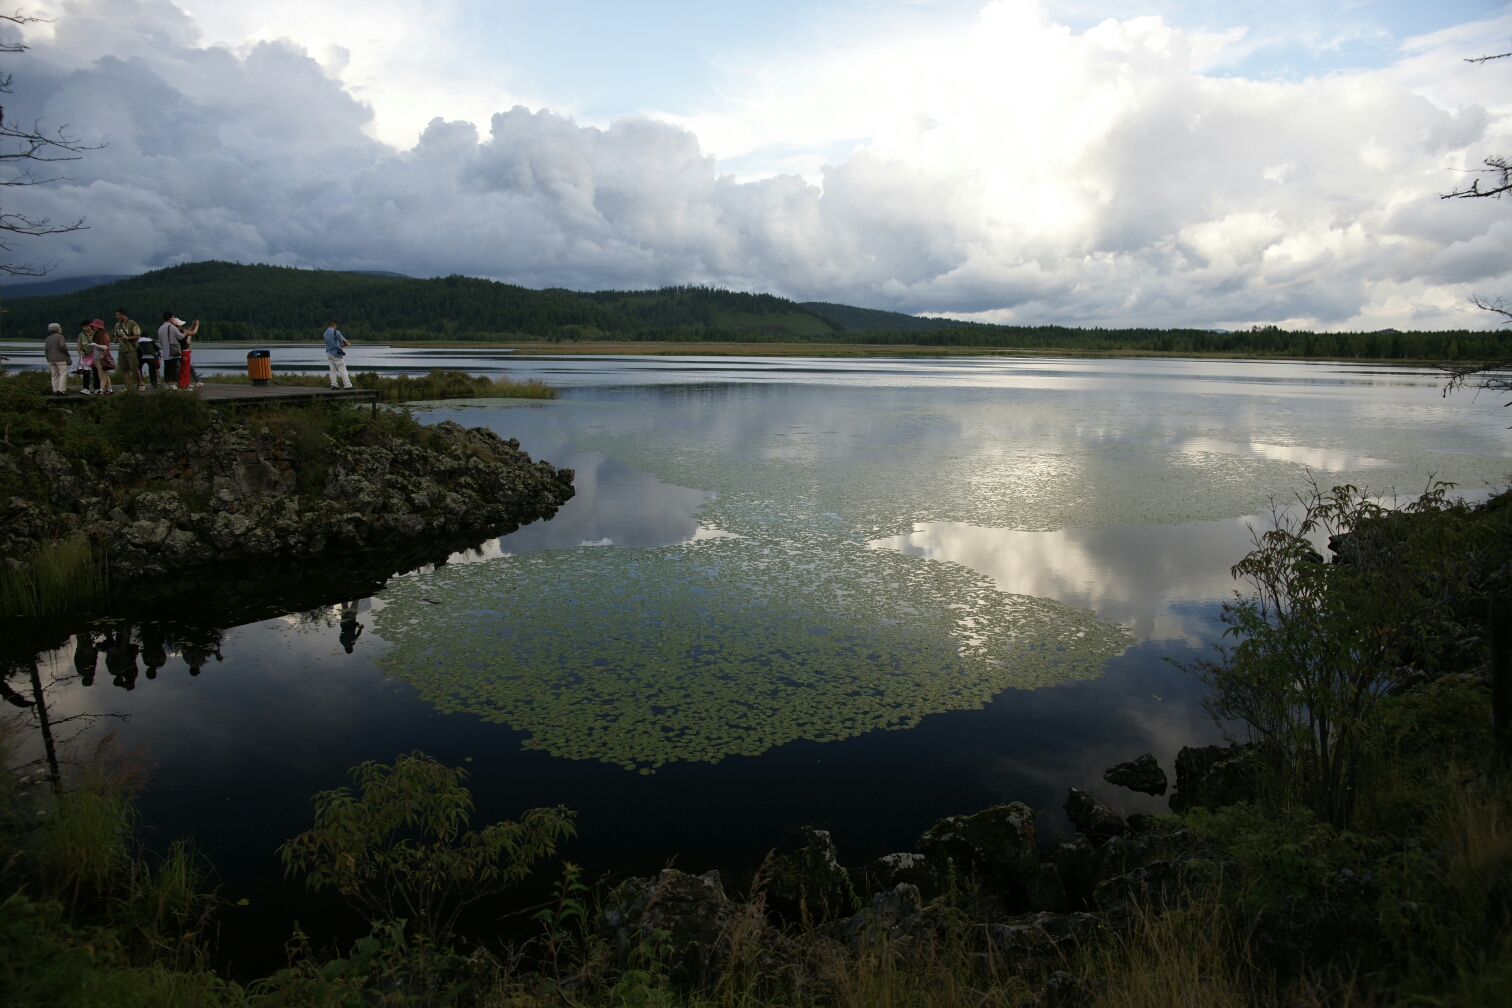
[1366, 830]
[404, 388]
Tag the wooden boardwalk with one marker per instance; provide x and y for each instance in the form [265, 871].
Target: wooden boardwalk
[215, 392]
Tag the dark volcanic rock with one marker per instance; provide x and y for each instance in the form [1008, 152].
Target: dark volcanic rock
[891, 870]
[898, 912]
[1215, 776]
[1044, 890]
[1042, 935]
[1072, 857]
[997, 843]
[1142, 774]
[234, 493]
[809, 885]
[692, 908]
[1092, 817]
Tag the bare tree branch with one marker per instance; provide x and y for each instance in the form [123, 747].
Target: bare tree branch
[1499, 166]
[1488, 59]
[1495, 375]
[1499, 306]
[20, 147]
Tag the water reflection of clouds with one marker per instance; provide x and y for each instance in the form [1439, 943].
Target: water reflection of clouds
[1145, 577]
[614, 505]
[1328, 459]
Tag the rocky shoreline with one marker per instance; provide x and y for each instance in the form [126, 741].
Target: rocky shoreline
[243, 490]
[984, 880]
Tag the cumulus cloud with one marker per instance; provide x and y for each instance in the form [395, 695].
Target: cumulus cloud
[1015, 172]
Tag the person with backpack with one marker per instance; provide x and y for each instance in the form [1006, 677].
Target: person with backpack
[335, 344]
[104, 363]
[171, 349]
[84, 343]
[150, 356]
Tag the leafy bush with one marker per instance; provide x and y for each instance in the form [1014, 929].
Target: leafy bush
[400, 848]
[1319, 644]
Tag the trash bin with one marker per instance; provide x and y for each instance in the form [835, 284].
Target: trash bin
[260, 366]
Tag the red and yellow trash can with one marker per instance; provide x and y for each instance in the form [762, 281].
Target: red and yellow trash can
[260, 366]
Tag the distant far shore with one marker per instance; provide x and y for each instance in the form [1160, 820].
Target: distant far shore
[546, 348]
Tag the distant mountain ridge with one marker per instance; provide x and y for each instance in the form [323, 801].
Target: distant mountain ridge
[241, 302]
[235, 301]
[67, 285]
[305, 291]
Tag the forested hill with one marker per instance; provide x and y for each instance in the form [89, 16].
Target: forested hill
[239, 302]
[236, 302]
[875, 320]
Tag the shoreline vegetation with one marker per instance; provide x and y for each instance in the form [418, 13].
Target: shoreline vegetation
[268, 305]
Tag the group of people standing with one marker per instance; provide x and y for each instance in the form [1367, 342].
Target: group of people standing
[134, 358]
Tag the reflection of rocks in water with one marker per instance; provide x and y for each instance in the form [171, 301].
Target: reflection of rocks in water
[188, 612]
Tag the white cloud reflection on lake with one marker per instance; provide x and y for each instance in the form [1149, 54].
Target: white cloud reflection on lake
[1157, 580]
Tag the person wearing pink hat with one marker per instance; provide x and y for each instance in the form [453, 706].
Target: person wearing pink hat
[103, 362]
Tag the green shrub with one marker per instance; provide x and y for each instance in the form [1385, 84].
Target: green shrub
[400, 848]
[43, 961]
[159, 420]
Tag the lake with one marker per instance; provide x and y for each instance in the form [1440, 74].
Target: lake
[860, 594]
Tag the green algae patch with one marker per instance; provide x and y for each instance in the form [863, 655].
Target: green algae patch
[721, 647]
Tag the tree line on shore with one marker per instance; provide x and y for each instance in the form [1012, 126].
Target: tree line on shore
[252, 303]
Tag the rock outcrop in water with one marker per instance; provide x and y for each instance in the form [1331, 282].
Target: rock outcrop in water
[235, 492]
[1142, 774]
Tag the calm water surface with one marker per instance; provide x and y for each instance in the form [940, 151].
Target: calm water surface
[860, 594]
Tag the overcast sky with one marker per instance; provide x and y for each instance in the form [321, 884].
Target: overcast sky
[1096, 162]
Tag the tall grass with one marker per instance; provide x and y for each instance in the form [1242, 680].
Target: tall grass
[1188, 958]
[59, 574]
[404, 388]
[1459, 947]
[86, 839]
[164, 908]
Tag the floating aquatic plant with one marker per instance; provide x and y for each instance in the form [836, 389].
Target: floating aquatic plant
[720, 647]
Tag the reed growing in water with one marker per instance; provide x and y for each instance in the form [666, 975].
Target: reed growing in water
[58, 574]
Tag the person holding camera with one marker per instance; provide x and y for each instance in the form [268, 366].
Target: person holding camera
[336, 345]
